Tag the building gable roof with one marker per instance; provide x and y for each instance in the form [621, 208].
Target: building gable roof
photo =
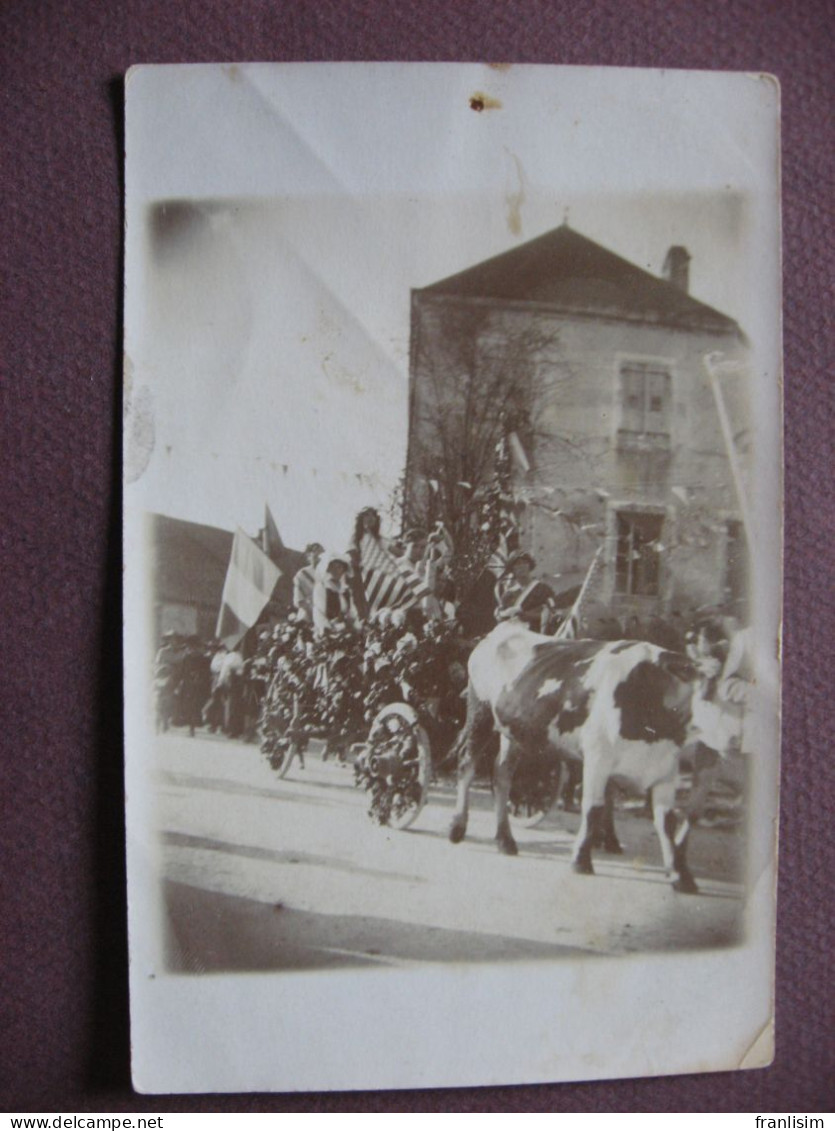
[567, 271]
[190, 562]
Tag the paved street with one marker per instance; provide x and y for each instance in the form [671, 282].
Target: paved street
[269, 874]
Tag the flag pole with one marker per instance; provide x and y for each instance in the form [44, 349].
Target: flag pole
[712, 363]
[572, 622]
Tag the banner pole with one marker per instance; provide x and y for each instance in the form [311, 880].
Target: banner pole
[711, 363]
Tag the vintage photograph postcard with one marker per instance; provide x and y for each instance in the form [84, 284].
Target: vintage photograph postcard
[452, 568]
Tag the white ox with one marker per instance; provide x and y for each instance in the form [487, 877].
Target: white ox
[624, 708]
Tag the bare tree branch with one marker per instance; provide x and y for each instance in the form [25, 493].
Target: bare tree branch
[480, 375]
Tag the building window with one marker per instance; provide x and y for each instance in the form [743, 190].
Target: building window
[645, 407]
[638, 561]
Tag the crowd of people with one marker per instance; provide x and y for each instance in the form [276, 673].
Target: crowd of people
[381, 622]
[377, 585]
[207, 685]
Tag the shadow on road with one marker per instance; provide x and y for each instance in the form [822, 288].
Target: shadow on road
[282, 856]
[212, 933]
[281, 790]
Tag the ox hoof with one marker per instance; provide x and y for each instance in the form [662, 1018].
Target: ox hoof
[457, 831]
[613, 847]
[507, 846]
[582, 867]
[686, 885]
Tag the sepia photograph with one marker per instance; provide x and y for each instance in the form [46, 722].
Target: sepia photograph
[452, 520]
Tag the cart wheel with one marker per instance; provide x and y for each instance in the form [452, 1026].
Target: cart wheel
[398, 765]
[524, 815]
[277, 746]
[532, 796]
[283, 759]
[279, 751]
[281, 738]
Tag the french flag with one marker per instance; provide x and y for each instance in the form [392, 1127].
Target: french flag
[250, 580]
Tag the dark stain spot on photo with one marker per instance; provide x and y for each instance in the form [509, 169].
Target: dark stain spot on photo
[480, 101]
[174, 226]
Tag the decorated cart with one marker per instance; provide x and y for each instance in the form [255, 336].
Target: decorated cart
[388, 697]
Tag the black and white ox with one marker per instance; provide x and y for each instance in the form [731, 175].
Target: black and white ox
[625, 708]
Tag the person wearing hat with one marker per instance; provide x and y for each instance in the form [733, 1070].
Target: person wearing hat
[423, 560]
[414, 546]
[195, 684]
[166, 678]
[521, 596]
[213, 711]
[305, 580]
[332, 604]
[231, 686]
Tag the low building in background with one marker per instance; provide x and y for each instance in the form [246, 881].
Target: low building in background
[189, 563]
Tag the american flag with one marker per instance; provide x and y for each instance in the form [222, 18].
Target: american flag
[388, 582]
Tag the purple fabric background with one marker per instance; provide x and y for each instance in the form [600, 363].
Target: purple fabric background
[63, 1025]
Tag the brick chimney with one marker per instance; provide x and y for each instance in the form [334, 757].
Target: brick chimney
[676, 268]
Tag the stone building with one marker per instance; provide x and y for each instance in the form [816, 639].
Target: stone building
[595, 371]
